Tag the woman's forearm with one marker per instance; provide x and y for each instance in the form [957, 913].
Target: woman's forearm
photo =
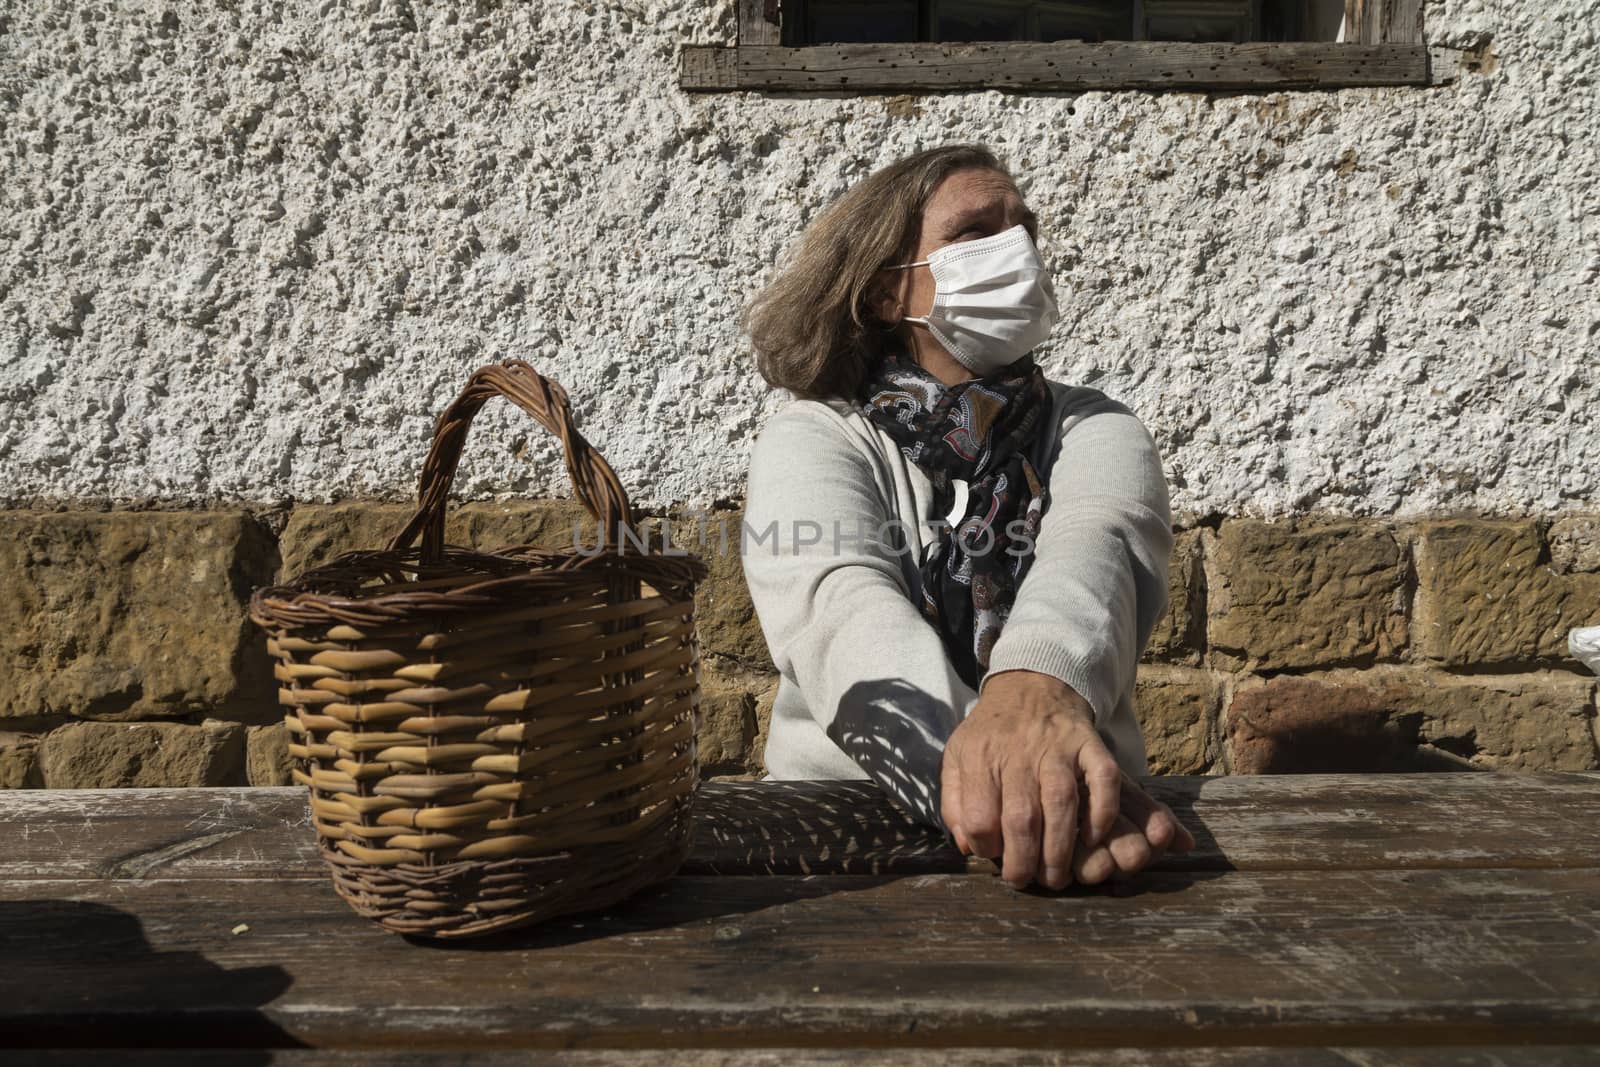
[1098, 581]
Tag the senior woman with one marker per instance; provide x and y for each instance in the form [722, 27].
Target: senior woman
[956, 561]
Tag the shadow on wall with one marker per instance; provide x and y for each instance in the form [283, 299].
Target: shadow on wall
[82, 975]
[1339, 744]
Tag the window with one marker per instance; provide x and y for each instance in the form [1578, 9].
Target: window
[810, 22]
[941, 45]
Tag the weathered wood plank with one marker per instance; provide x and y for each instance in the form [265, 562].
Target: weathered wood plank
[708, 67]
[1057, 65]
[1202, 959]
[1281, 822]
[1493, 1056]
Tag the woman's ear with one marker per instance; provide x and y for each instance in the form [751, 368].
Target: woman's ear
[891, 311]
[887, 304]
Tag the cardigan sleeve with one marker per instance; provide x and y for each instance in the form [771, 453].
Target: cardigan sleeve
[1098, 581]
[824, 572]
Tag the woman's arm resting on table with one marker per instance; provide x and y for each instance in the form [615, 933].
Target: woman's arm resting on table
[1071, 644]
[834, 607]
[1098, 581]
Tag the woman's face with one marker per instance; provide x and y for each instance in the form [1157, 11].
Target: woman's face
[967, 205]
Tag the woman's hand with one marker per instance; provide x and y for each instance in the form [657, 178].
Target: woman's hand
[1013, 783]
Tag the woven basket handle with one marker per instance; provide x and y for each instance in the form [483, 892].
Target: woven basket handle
[592, 477]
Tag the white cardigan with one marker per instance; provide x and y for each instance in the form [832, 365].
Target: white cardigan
[841, 612]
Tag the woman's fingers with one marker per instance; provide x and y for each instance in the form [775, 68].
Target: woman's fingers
[950, 799]
[1124, 852]
[1185, 841]
[980, 811]
[1103, 780]
[1129, 847]
[1155, 820]
[1058, 797]
[1021, 823]
[1091, 866]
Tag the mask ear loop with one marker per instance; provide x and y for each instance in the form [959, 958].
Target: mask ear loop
[891, 327]
[921, 319]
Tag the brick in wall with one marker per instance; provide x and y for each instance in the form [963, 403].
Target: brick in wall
[132, 615]
[1280, 597]
[103, 755]
[1177, 709]
[1411, 719]
[1179, 635]
[1487, 593]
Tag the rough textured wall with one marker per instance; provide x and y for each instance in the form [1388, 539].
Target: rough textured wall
[248, 250]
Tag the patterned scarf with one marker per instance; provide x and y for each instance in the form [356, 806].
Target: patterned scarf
[980, 432]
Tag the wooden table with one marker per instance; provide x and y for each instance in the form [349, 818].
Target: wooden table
[1415, 919]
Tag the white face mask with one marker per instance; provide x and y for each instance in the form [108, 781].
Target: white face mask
[992, 303]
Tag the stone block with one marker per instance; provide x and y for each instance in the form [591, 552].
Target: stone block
[19, 761]
[758, 745]
[730, 725]
[1285, 597]
[104, 755]
[266, 755]
[1487, 594]
[1177, 711]
[316, 533]
[1541, 721]
[1575, 546]
[1411, 719]
[725, 616]
[132, 615]
[1179, 635]
[547, 523]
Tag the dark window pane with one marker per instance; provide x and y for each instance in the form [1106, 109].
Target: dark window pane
[1198, 20]
[980, 20]
[869, 21]
[1111, 20]
[1301, 20]
[860, 21]
[1281, 20]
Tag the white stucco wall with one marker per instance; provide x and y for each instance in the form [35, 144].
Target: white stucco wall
[248, 251]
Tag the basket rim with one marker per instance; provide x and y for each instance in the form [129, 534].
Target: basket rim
[522, 569]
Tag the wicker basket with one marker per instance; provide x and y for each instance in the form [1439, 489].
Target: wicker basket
[492, 739]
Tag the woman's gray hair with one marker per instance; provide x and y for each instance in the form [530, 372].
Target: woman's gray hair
[815, 329]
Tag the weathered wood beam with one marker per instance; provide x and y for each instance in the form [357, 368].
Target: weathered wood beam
[1058, 65]
[1213, 1056]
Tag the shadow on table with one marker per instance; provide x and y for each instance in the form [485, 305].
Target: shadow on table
[82, 975]
[1180, 794]
[679, 901]
[824, 838]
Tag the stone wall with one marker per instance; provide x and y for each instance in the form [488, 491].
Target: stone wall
[1338, 644]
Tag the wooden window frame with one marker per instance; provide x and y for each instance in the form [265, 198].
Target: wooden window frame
[1387, 48]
